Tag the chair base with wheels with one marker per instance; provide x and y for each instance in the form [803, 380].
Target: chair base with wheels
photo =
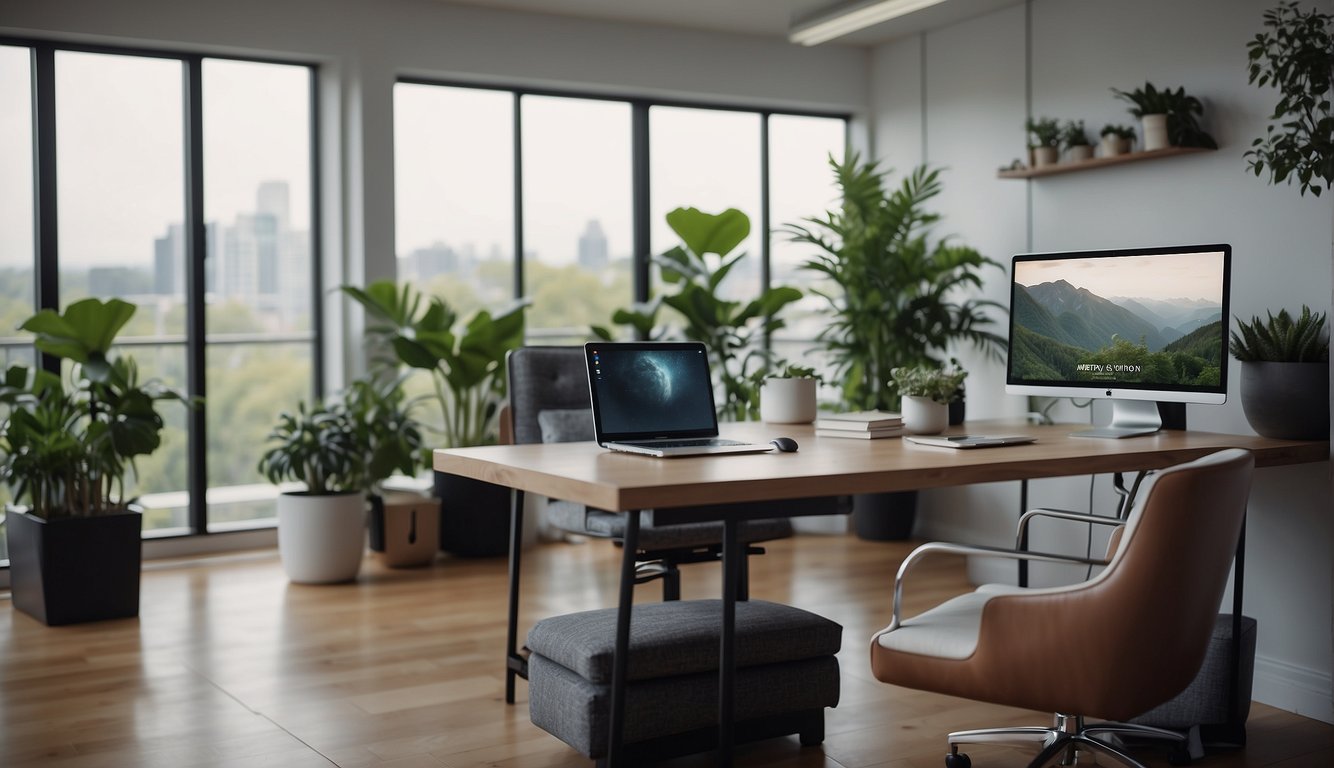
[1068, 736]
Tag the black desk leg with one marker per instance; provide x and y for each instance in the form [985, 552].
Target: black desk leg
[1237, 728]
[515, 664]
[620, 661]
[1023, 537]
[732, 555]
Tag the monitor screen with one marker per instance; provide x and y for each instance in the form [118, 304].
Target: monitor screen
[1141, 324]
[651, 389]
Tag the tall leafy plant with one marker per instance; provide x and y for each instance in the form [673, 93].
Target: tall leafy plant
[898, 298]
[67, 443]
[733, 331]
[465, 359]
[1295, 55]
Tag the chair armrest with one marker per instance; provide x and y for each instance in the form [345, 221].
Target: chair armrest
[941, 547]
[1020, 536]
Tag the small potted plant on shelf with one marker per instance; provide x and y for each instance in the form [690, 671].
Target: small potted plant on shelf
[788, 397]
[322, 522]
[1044, 139]
[1075, 141]
[1116, 139]
[927, 391]
[1168, 117]
[66, 446]
[1284, 374]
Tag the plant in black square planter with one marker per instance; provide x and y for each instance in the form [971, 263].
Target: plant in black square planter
[66, 445]
[71, 570]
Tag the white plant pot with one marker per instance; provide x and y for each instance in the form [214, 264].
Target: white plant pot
[1044, 156]
[788, 401]
[321, 538]
[924, 416]
[1154, 128]
[1078, 153]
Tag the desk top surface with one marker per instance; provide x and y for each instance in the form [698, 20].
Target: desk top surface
[825, 466]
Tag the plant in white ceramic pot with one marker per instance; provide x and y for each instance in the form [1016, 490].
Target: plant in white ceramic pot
[321, 525]
[1285, 374]
[1169, 117]
[927, 391]
[788, 396]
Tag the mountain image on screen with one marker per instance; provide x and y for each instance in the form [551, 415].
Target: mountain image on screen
[654, 391]
[1063, 332]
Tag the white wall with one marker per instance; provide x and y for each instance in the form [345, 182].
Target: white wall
[363, 45]
[968, 88]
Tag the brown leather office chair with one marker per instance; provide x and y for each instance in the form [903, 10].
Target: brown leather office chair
[1112, 647]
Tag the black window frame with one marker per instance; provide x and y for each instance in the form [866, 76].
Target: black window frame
[641, 146]
[46, 262]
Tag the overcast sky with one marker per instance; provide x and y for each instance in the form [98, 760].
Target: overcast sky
[1168, 276]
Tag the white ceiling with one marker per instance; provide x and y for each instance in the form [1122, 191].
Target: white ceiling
[769, 18]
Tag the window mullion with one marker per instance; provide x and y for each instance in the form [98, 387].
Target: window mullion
[196, 251]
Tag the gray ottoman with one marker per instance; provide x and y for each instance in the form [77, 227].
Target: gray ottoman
[786, 675]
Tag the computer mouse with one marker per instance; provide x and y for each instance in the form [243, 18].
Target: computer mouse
[784, 444]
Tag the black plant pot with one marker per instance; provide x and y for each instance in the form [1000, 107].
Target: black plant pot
[1286, 400]
[73, 570]
[884, 516]
[474, 516]
[957, 411]
[375, 523]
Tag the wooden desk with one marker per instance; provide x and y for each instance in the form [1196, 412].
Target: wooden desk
[588, 474]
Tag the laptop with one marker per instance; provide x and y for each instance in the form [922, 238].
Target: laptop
[656, 398]
[970, 441]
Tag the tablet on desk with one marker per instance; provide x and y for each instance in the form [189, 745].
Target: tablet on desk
[970, 441]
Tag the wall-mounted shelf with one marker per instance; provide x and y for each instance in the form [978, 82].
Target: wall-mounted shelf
[1099, 162]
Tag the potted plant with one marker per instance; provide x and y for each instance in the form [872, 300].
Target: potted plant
[894, 301]
[1296, 55]
[404, 526]
[322, 523]
[1116, 139]
[1168, 117]
[927, 391]
[788, 396]
[1284, 374]
[731, 330]
[1075, 140]
[1044, 139]
[465, 360]
[66, 445]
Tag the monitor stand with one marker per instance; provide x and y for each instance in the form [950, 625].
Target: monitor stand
[1130, 418]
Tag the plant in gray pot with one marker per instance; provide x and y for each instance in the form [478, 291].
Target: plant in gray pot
[66, 446]
[1285, 374]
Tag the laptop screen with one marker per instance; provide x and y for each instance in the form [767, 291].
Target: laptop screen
[645, 390]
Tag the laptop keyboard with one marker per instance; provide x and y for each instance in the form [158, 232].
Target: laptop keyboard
[710, 442]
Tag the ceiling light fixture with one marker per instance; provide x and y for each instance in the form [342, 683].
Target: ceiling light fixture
[847, 18]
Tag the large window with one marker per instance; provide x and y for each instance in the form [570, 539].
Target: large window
[571, 231]
[140, 140]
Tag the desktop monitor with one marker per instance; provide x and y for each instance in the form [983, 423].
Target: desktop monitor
[1137, 326]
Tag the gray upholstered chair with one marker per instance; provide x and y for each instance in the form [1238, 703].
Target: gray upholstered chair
[549, 402]
[1112, 647]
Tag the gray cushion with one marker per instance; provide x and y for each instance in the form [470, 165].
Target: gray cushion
[565, 425]
[578, 712]
[684, 535]
[681, 637]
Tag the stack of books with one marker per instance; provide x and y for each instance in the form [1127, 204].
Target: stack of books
[865, 425]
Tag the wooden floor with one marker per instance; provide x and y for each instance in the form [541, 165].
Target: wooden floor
[229, 665]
